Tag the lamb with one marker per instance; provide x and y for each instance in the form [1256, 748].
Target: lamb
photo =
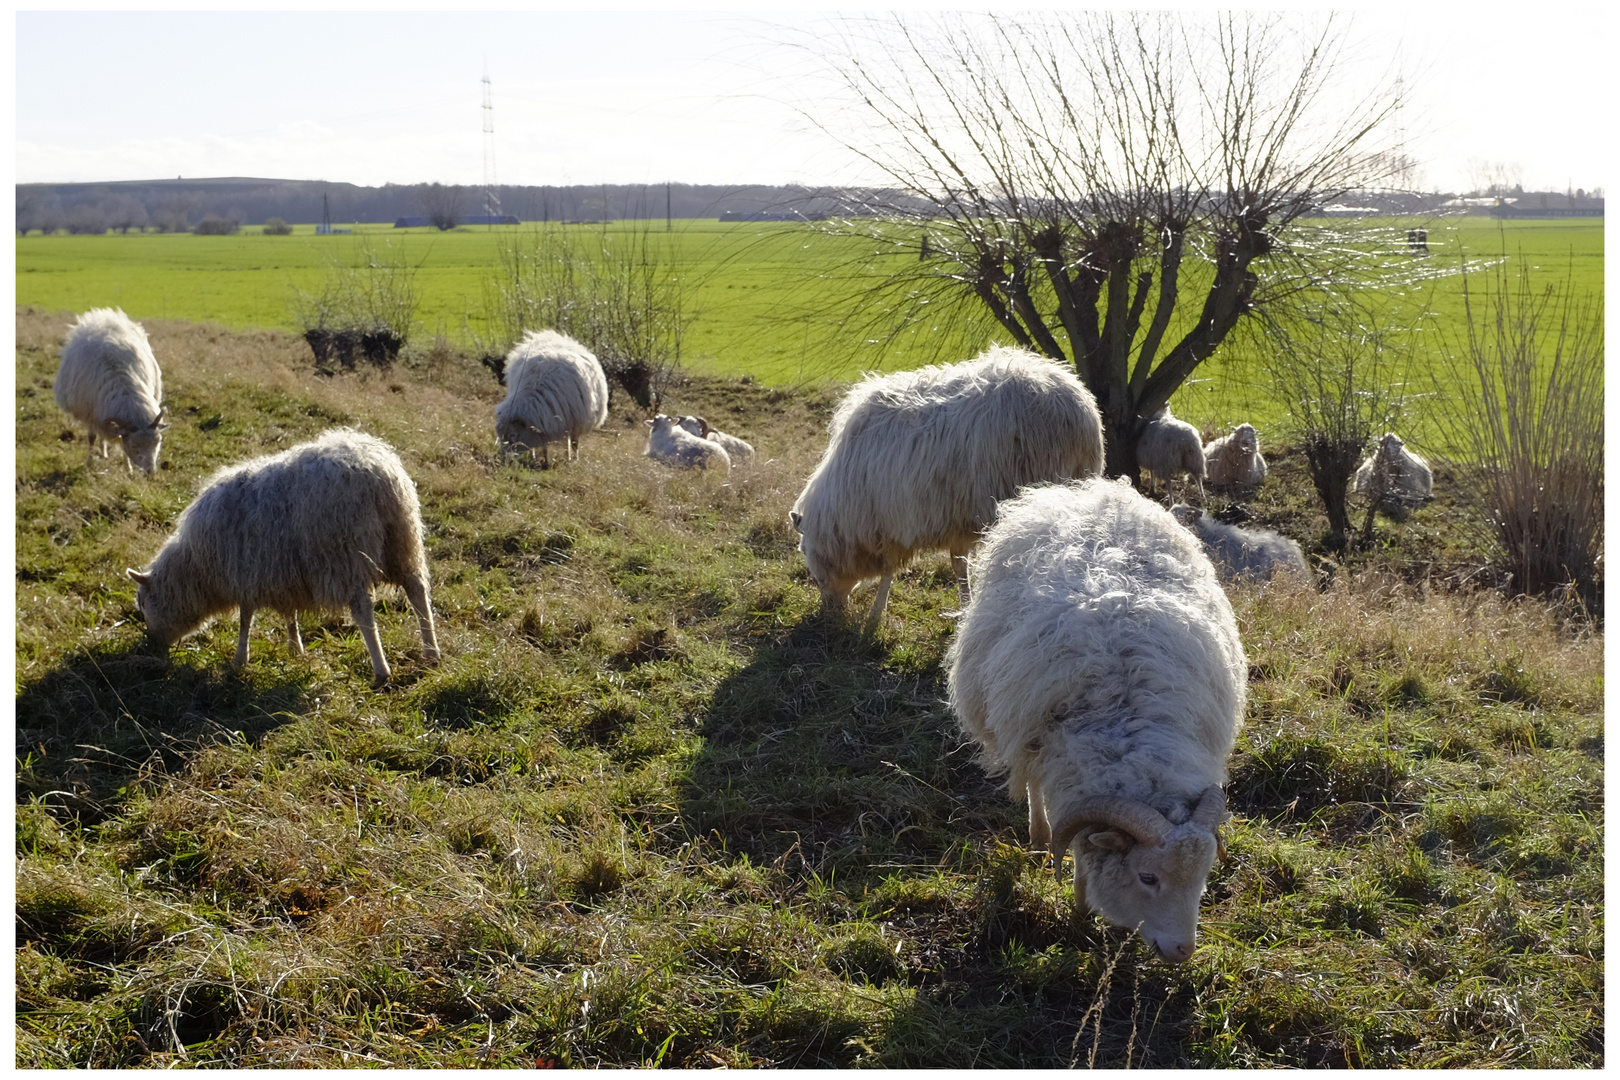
[917, 460]
[1237, 553]
[1394, 474]
[672, 444]
[556, 391]
[738, 450]
[1099, 668]
[1169, 447]
[314, 527]
[1235, 458]
[109, 381]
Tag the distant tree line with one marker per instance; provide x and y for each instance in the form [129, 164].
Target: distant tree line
[180, 205]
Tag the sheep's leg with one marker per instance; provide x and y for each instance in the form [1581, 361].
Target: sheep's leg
[1080, 909]
[360, 608]
[959, 567]
[90, 453]
[416, 591]
[1040, 829]
[545, 455]
[242, 638]
[573, 448]
[295, 641]
[878, 603]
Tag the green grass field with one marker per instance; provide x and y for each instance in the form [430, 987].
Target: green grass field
[651, 810]
[766, 300]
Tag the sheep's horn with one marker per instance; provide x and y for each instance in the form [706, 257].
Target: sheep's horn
[1211, 809]
[1140, 820]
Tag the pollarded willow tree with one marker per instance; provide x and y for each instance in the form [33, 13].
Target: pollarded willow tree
[1116, 190]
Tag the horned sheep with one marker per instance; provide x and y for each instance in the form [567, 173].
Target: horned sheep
[1235, 458]
[670, 443]
[1169, 447]
[1238, 552]
[109, 381]
[1394, 473]
[1099, 668]
[311, 528]
[556, 391]
[738, 450]
[917, 460]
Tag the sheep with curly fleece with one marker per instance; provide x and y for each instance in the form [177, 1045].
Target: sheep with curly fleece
[1238, 552]
[736, 449]
[917, 460]
[1392, 473]
[1098, 667]
[109, 381]
[1169, 447]
[671, 444]
[1235, 458]
[312, 528]
[556, 391]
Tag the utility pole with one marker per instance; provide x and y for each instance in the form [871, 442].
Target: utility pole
[492, 200]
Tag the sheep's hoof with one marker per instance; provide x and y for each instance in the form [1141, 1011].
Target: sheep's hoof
[379, 681]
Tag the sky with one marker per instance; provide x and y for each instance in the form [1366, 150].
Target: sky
[644, 97]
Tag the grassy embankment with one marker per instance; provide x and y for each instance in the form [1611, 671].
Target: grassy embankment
[767, 300]
[649, 809]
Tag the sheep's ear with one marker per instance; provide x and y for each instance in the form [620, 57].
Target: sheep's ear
[1112, 840]
[139, 577]
[797, 519]
[704, 424]
[159, 423]
[649, 423]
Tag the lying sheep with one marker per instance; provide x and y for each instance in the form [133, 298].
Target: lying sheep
[1099, 668]
[1169, 447]
[670, 443]
[735, 448]
[1257, 553]
[1235, 458]
[311, 528]
[917, 460]
[1392, 473]
[555, 392]
[109, 381]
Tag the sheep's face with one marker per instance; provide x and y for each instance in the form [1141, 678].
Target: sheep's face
[1153, 889]
[696, 425]
[1246, 439]
[1390, 445]
[517, 436]
[141, 444]
[165, 622]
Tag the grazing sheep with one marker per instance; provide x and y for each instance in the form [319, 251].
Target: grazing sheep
[555, 392]
[1235, 458]
[109, 381]
[1394, 474]
[735, 448]
[1098, 666]
[1236, 552]
[917, 460]
[311, 528]
[670, 443]
[1169, 447]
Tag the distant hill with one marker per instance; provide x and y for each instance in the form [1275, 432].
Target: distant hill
[179, 204]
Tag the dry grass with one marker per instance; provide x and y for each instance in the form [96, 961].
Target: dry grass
[649, 809]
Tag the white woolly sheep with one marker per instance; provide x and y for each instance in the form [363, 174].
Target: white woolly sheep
[1169, 447]
[555, 392]
[1238, 552]
[1235, 458]
[917, 460]
[311, 528]
[736, 449]
[1098, 666]
[1393, 473]
[670, 443]
[109, 381]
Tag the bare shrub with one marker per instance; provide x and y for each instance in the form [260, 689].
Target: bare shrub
[443, 205]
[86, 221]
[1525, 418]
[215, 225]
[364, 310]
[277, 227]
[617, 293]
[1341, 371]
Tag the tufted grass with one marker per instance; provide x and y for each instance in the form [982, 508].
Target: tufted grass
[651, 810]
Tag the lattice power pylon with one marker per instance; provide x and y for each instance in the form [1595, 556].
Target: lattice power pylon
[492, 199]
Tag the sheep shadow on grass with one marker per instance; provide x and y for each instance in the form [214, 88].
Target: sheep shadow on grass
[113, 712]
